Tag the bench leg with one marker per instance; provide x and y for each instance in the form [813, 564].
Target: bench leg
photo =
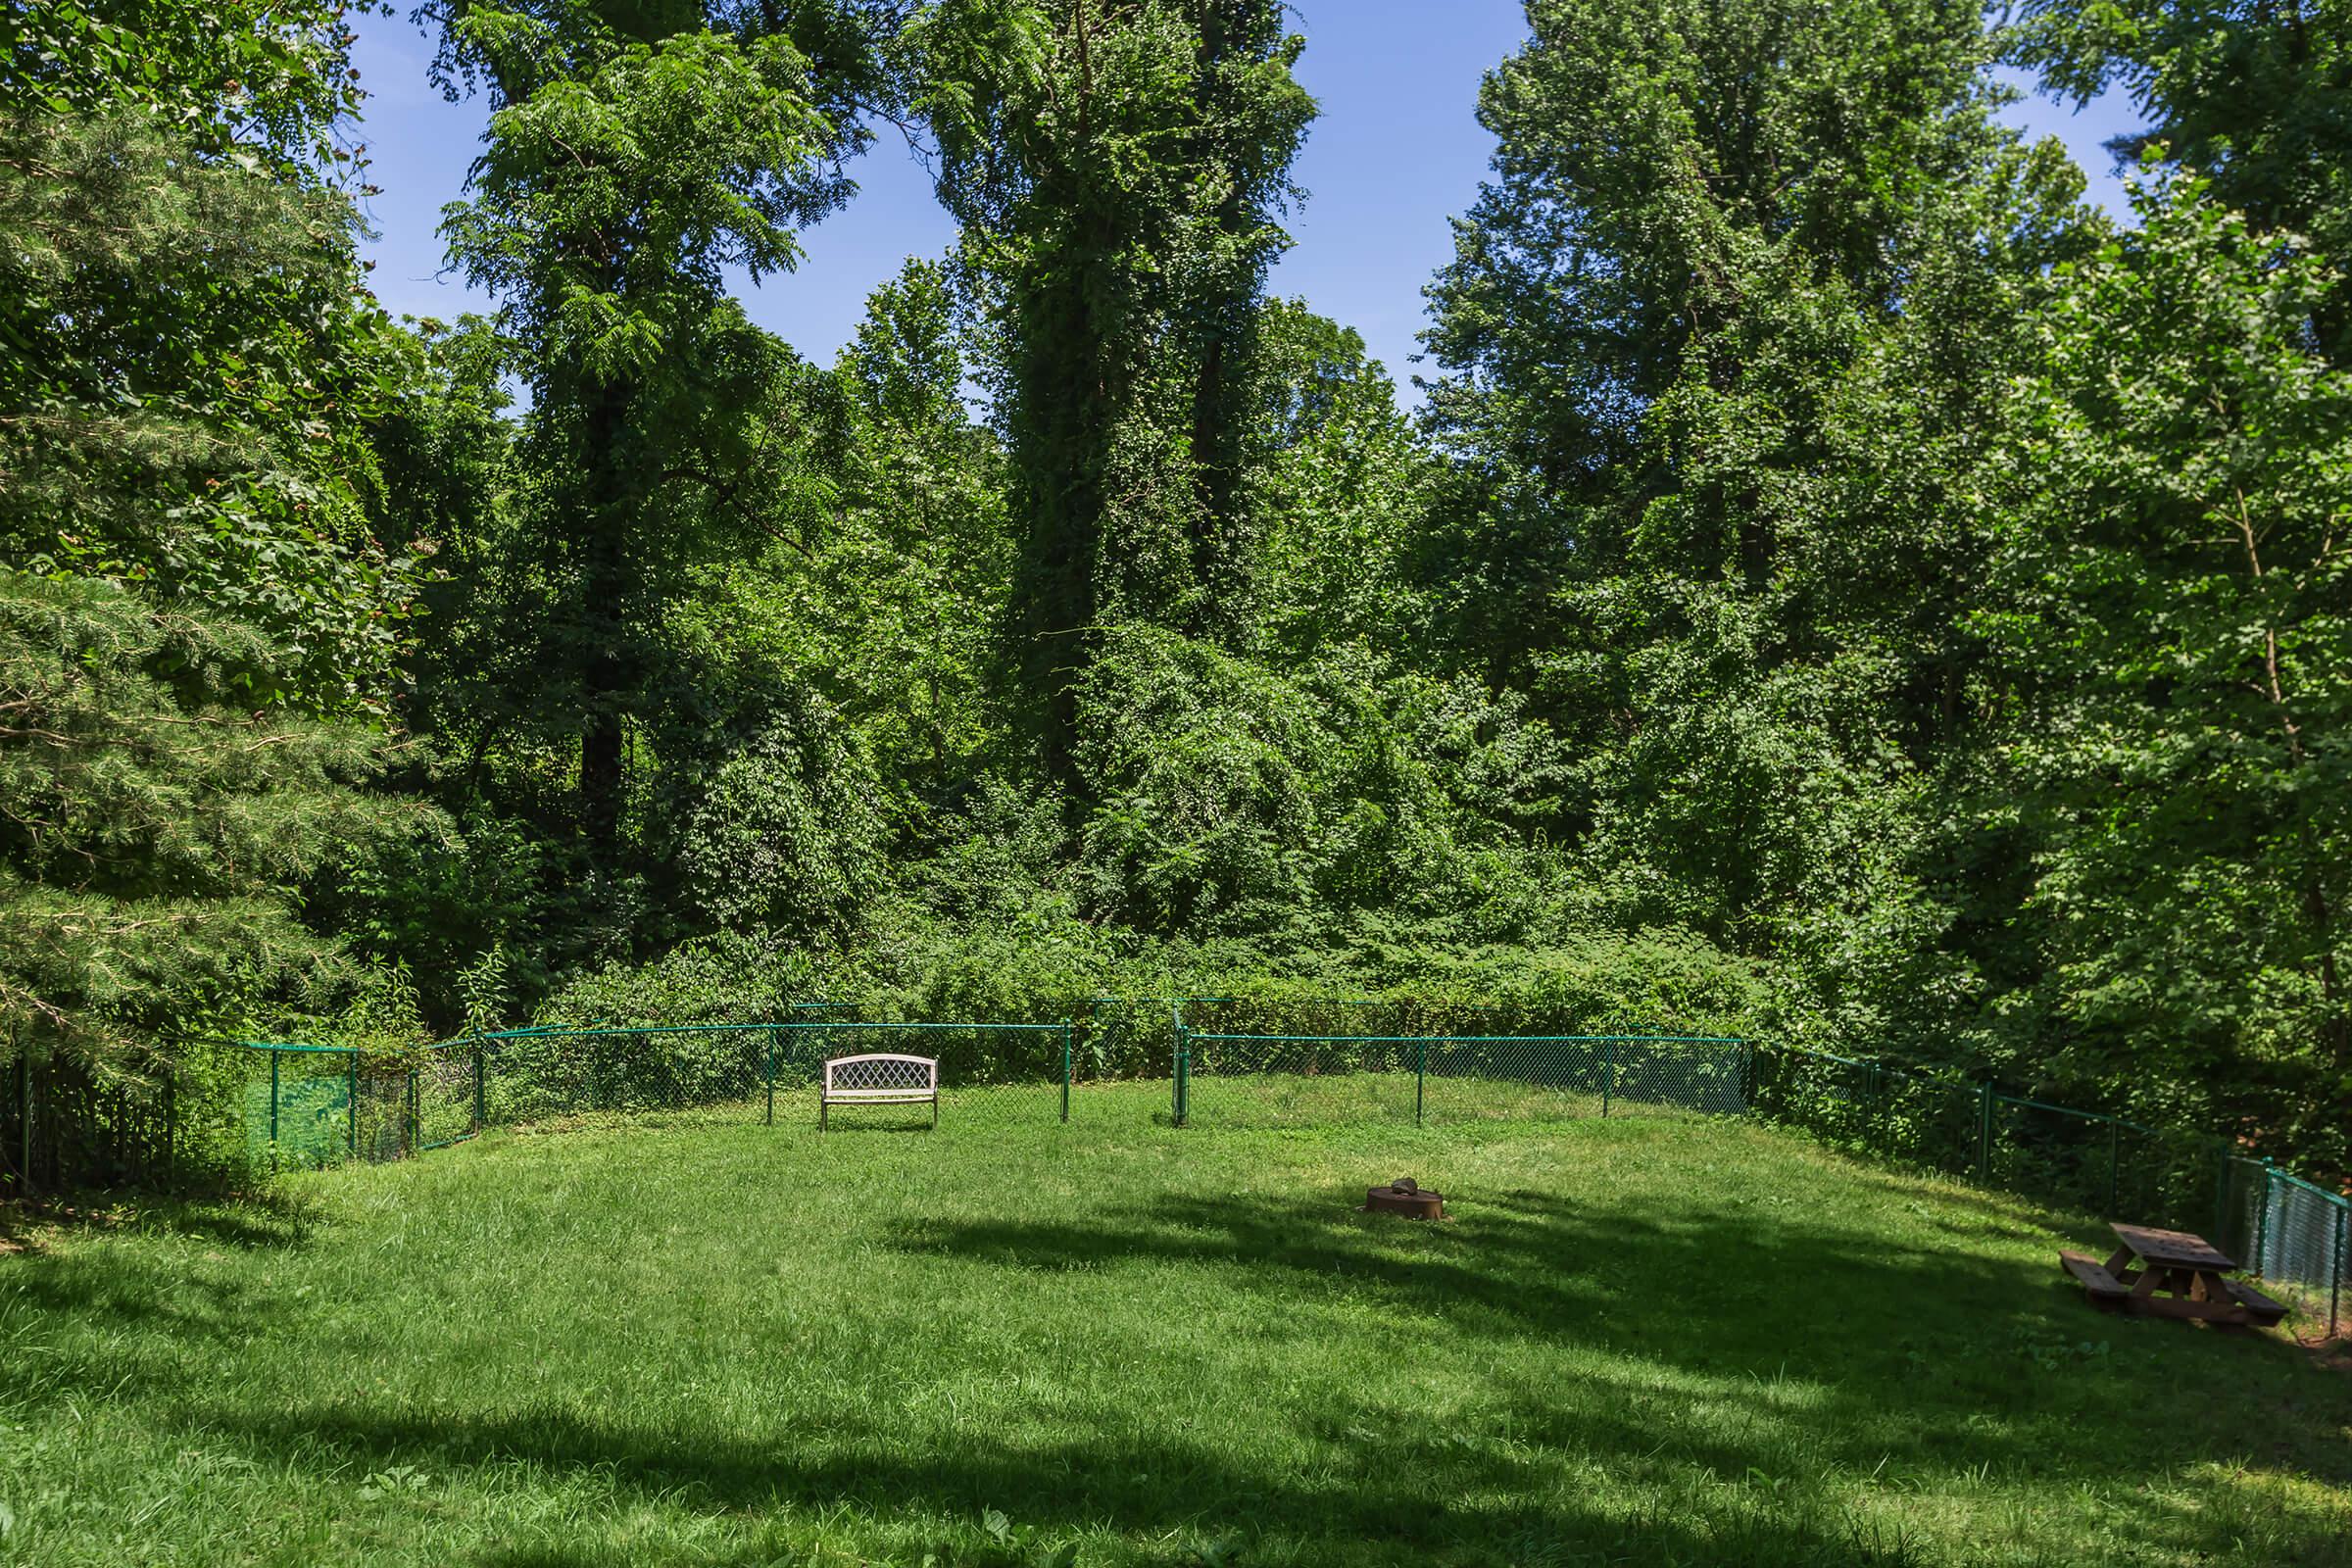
[823, 1107]
[934, 1110]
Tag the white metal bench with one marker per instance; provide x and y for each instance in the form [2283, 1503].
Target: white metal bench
[882, 1078]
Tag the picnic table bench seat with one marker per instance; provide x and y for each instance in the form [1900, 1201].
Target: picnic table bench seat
[2103, 1288]
[2260, 1308]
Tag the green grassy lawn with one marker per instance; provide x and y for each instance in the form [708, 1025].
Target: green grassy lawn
[1638, 1341]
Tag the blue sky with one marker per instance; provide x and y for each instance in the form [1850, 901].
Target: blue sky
[1396, 153]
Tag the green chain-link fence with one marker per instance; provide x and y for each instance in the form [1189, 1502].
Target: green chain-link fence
[2296, 1236]
[2066, 1158]
[65, 1122]
[1299, 1080]
[2303, 1246]
[311, 1106]
[1138, 1059]
[696, 1071]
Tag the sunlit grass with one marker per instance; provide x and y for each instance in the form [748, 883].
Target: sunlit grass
[1637, 1342]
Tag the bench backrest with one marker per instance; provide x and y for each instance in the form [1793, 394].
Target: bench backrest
[882, 1072]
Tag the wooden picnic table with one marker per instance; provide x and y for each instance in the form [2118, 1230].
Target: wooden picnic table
[2171, 1274]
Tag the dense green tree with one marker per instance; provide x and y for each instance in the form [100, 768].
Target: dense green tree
[1709, 198]
[200, 621]
[866, 635]
[2173, 623]
[921, 548]
[189, 388]
[636, 152]
[1729, 343]
[1118, 166]
[2255, 94]
[155, 826]
[1338, 486]
[268, 80]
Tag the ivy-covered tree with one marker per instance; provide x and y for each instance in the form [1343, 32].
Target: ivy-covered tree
[1118, 166]
[1654, 519]
[1338, 487]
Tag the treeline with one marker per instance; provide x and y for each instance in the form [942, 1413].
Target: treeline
[1838, 581]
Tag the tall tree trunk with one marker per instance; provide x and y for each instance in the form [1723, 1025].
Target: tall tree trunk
[1225, 350]
[603, 503]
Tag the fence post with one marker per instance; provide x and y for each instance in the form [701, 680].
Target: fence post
[1984, 1133]
[276, 1056]
[351, 1102]
[1184, 1066]
[481, 1060]
[2335, 1277]
[1065, 1072]
[1608, 1073]
[410, 1139]
[771, 1078]
[2262, 1223]
[1420, 1077]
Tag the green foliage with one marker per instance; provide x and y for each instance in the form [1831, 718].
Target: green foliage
[200, 624]
[790, 830]
[636, 153]
[155, 823]
[1838, 586]
[723, 979]
[267, 78]
[1232, 797]
[1337, 494]
[189, 395]
[2173, 616]
[609, 201]
[2250, 94]
[896, 598]
[1117, 166]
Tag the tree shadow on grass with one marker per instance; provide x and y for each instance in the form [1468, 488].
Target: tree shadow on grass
[133, 1327]
[1912, 1351]
[1749, 1368]
[137, 1307]
[1739, 1369]
[272, 1220]
[266, 1219]
[1450, 1507]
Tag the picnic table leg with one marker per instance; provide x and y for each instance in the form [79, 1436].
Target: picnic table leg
[2119, 1261]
